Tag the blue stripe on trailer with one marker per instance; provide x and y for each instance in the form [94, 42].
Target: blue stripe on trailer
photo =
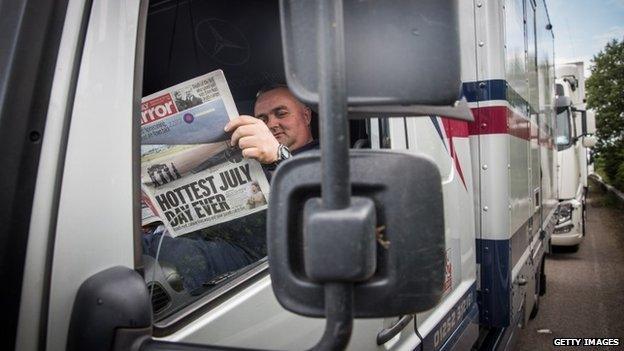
[493, 89]
[495, 296]
[449, 330]
[455, 341]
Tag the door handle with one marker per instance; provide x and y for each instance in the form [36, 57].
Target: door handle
[388, 333]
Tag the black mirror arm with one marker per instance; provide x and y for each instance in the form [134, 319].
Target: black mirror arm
[339, 317]
[336, 184]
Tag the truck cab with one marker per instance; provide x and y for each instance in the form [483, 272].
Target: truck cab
[575, 128]
[77, 244]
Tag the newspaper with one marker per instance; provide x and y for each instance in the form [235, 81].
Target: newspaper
[148, 212]
[191, 177]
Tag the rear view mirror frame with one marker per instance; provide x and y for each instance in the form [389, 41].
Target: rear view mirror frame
[418, 79]
[410, 247]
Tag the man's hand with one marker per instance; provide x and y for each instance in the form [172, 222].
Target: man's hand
[254, 138]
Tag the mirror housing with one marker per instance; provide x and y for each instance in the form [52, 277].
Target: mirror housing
[407, 223]
[589, 141]
[588, 121]
[583, 122]
[399, 53]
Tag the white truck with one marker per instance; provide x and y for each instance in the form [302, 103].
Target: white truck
[73, 137]
[575, 129]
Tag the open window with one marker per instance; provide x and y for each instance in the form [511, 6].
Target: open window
[186, 39]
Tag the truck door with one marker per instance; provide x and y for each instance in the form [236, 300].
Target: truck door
[29, 46]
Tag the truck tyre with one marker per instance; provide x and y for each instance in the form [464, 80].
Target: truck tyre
[542, 278]
[540, 289]
[584, 211]
[583, 217]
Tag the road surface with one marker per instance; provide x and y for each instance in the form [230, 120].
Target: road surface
[585, 289]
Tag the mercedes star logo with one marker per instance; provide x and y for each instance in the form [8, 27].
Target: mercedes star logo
[222, 41]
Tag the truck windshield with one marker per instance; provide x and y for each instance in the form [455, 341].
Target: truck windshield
[563, 130]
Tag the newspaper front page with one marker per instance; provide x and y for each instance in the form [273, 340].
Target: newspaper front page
[191, 177]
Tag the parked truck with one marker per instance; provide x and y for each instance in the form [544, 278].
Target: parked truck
[78, 276]
[575, 129]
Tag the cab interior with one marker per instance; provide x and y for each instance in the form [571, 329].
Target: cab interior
[185, 39]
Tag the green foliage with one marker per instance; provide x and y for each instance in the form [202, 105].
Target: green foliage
[605, 94]
[618, 180]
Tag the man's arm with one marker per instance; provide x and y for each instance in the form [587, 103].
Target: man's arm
[254, 138]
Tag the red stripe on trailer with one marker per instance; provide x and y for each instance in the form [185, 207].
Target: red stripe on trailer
[455, 129]
[489, 120]
[503, 120]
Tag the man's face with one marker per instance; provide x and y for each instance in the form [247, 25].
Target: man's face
[287, 118]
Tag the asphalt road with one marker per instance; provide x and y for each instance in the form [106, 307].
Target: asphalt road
[585, 289]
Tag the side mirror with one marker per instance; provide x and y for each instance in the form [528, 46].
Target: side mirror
[562, 103]
[591, 122]
[363, 239]
[588, 121]
[589, 141]
[583, 122]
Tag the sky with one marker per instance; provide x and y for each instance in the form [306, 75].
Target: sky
[582, 28]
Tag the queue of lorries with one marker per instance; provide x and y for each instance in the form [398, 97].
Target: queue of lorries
[512, 181]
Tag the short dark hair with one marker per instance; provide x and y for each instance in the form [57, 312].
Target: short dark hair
[269, 87]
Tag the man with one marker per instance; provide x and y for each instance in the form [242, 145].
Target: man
[281, 126]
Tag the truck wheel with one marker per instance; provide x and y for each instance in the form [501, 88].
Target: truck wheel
[540, 289]
[542, 279]
[584, 212]
[583, 217]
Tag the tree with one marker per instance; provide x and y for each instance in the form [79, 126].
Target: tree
[605, 94]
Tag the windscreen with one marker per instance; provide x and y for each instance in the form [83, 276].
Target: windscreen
[563, 139]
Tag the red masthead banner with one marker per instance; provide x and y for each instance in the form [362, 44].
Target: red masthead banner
[157, 108]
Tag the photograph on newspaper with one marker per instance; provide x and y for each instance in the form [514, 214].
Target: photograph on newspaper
[191, 177]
